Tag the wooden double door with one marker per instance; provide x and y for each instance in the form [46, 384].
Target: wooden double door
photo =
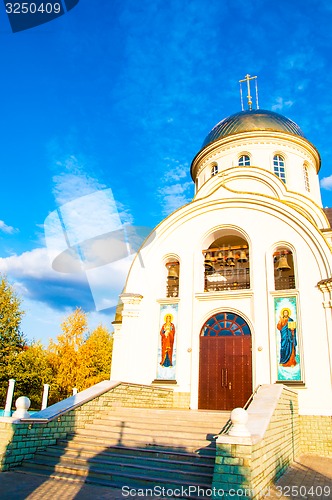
[225, 363]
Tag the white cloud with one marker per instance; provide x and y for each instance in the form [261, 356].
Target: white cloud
[282, 104]
[175, 170]
[326, 183]
[174, 196]
[107, 282]
[175, 190]
[34, 279]
[7, 229]
[73, 181]
[33, 264]
[307, 61]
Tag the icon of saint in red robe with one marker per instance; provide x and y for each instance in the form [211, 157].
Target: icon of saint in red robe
[167, 334]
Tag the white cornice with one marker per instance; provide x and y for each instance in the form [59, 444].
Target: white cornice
[226, 294]
[251, 138]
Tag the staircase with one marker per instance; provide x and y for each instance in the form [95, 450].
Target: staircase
[137, 447]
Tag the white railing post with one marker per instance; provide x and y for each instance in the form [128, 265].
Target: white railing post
[45, 396]
[239, 418]
[9, 399]
[22, 405]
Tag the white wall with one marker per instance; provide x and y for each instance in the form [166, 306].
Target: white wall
[254, 202]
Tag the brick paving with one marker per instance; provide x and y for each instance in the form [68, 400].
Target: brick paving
[310, 476]
[17, 486]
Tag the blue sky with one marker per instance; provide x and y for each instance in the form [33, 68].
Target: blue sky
[119, 95]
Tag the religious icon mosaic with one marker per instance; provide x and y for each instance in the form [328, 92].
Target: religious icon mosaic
[288, 351]
[168, 321]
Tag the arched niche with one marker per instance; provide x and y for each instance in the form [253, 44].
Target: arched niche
[226, 261]
[284, 273]
[172, 265]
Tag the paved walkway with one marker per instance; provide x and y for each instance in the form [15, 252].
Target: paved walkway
[309, 478]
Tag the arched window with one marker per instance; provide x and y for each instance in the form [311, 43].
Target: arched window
[214, 170]
[173, 273]
[284, 276]
[226, 264]
[306, 178]
[244, 161]
[225, 325]
[279, 167]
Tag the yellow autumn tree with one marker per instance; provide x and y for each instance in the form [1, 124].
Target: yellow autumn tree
[95, 358]
[65, 353]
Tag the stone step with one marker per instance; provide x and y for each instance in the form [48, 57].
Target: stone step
[195, 464]
[101, 465]
[168, 454]
[139, 448]
[133, 429]
[139, 478]
[109, 438]
[159, 491]
[186, 416]
[171, 424]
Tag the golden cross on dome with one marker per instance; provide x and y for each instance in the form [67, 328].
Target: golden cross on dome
[247, 79]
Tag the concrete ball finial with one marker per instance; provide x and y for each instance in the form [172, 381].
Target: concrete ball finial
[239, 418]
[22, 405]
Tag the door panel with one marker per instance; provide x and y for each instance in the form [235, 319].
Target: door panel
[225, 373]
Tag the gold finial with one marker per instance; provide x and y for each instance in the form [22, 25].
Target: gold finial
[247, 79]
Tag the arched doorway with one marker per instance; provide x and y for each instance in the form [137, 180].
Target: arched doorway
[225, 373]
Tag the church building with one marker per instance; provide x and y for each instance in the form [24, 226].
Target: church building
[234, 289]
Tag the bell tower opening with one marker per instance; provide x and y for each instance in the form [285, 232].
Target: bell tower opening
[226, 263]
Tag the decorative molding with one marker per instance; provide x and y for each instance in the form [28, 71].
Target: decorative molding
[132, 313]
[225, 294]
[169, 300]
[293, 142]
[285, 293]
[131, 304]
[325, 286]
[164, 382]
[131, 298]
[117, 330]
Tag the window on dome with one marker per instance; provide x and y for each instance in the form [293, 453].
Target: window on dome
[214, 170]
[306, 178]
[284, 276]
[244, 161]
[279, 167]
[172, 285]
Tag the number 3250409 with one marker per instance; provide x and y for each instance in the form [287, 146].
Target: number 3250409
[33, 8]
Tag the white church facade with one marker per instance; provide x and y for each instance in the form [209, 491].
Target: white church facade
[233, 290]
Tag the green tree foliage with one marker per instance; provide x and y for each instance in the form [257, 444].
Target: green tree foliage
[11, 338]
[31, 369]
[12, 341]
[75, 359]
